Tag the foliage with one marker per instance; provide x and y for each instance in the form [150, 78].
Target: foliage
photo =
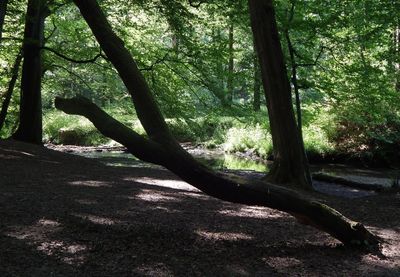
[253, 140]
[346, 57]
[61, 129]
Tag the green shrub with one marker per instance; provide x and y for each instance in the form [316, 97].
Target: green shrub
[181, 130]
[253, 139]
[76, 129]
[316, 141]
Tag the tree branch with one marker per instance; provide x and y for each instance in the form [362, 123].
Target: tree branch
[223, 186]
[139, 146]
[92, 60]
[197, 5]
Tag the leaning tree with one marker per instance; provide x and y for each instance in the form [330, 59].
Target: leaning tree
[161, 148]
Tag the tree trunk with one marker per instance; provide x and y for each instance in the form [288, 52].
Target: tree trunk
[3, 10]
[290, 164]
[396, 38]
[229, 83]
[30, 118]
[10, 89]
[257, 82]
[293, 65]
[161, 148]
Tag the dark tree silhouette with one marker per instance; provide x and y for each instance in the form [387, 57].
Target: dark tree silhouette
[30, 118]
[290, 165]
[161, 148]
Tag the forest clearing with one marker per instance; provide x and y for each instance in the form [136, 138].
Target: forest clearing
[199, 138]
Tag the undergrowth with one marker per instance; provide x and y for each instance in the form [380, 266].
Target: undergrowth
[246, 133]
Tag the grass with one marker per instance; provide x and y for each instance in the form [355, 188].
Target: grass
[240, 133]
[246, 134]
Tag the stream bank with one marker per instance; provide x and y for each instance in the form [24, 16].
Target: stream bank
[333, 179]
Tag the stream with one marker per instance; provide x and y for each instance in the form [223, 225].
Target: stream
[213, 158]
[381, 179]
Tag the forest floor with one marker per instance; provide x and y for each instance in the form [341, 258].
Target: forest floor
[64, 215]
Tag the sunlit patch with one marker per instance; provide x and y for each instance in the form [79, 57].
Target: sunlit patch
[157, 269]
[35, 232]
[282, 262]
[27, 154]
[49, 223]
[223, 235]
[391, 248]
[196, 195]
[370, 262]
[98, 219]
[72, 252]
[95, 184]
[15, 153]
[161, 208]
[174, 184]
[41, 235]
[253, 212]
[154, 196]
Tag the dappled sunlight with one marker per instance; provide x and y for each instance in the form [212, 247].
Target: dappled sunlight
[155, 269]
[252, 212]
[98, 219]
[174, 184]
[391, 247]
[36, 232]
[227, 236]
[10, 153]
[282, 263]
[196, 195]
[155, 196]
[40, 236]
[88, 183]
[371, 261]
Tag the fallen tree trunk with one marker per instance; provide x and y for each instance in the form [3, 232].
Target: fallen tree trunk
[161, 147]
[222, 186]
[320, 176]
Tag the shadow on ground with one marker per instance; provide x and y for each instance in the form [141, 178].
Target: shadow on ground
[63, 215]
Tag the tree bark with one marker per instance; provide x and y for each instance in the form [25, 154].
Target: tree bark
[222, 186]
[229, 83]
[290, 164]
[396, 41]
[161, 148]
[10, 89]
[3, 10]
[30, 118]
[257, 82]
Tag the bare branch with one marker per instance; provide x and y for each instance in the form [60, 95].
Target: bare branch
[92, 60]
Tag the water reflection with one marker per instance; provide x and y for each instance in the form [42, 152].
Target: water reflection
[232, 162]
[218, 161]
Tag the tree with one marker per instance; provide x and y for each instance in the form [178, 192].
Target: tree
[229, 83]
[290, 164]
[3, 10]
[10, 88]
[161, 148]
[30, 119]
[256, 82]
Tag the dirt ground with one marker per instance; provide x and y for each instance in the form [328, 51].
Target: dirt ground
[63, 215]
